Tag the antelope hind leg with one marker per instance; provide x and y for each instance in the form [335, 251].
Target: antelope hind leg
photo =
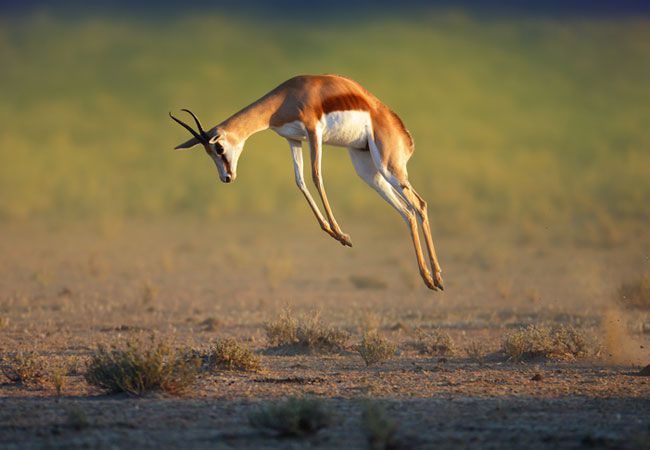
[421, 206]
[366, 169]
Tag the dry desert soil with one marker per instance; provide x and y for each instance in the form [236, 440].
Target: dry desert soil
[66, 288]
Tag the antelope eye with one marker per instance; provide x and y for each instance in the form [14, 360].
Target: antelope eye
[218, 148]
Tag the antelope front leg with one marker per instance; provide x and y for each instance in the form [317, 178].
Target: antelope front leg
[296, 154]
[316, 151]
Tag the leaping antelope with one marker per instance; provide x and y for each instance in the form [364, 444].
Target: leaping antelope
[337, 111]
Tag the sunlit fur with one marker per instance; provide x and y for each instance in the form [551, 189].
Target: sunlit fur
[335, 110]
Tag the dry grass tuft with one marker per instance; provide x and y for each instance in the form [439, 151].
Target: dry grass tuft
[375, 349]
[476, 352]
[228, 354]
[293, 417]
[536, 342]
[283, 330]
[635, 294]
[435, 342]
[380, 431]
[138, 369]
[307, 333]
[23, 368]
[57, 377]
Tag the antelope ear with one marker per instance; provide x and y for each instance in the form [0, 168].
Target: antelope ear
[187, 144]
[213, 135]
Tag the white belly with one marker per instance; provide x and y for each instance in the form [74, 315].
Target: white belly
[340, 128]
[292, 130]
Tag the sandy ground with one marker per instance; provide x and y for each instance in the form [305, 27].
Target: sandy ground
[64, 289]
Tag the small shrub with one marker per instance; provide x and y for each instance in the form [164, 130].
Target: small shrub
[375, 349]
[137, 370]
[282, 331]
[569, 343]
[380, 432]
[22, 368]
[534, 342]
[228, 354]
[307, 333]
[635, 294]
[476, 352]
[57, 376]
[528, 343]
[435, 343]
[293, 417]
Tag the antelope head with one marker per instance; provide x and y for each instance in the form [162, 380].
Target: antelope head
[224, 155]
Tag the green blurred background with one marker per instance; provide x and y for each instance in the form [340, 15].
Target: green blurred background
[534, 122]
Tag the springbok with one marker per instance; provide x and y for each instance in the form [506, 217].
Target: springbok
[334, 110]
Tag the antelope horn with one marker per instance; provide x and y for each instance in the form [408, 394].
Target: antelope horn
[198, 124]
[189, 128]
